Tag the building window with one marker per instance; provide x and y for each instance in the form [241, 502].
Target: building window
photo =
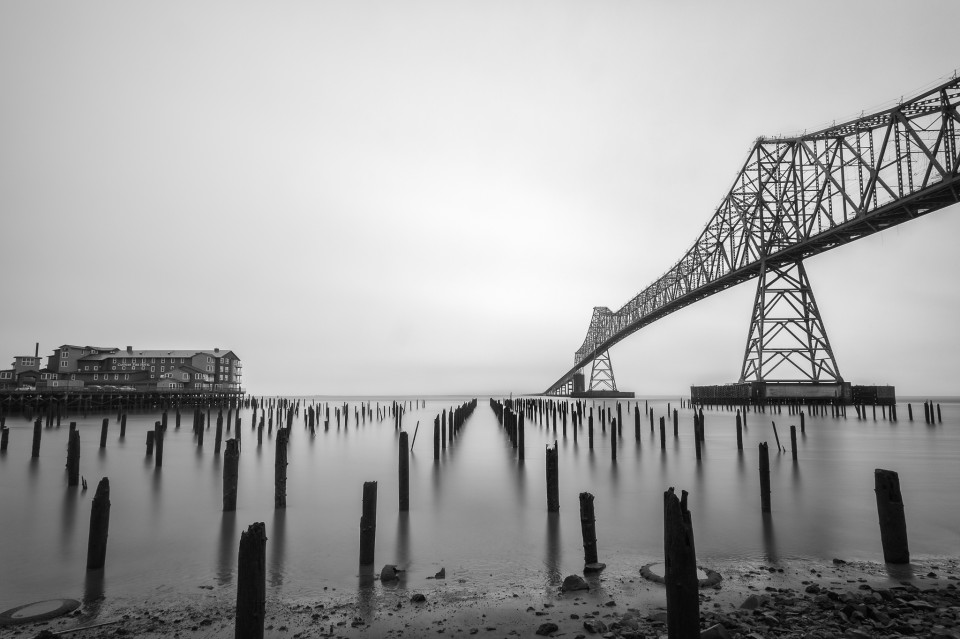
[162, 367]
[152, 369]
[73, 376]
[163, 361]
[126, 377]
[96, 376]
[63, 364]
[63, 354]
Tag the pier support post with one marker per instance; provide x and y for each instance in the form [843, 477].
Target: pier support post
[683, 587]
[158, 444]
[231, 469]
[739, 431]
[37, 429]
[368, 524]
[588, 528]
[4, 439]
[793, 441]
[150, 436]
[764, 478]
[99, 526]
[404, 473]
[893, 523]
[280, 470]
[73, 458]
[251, 583]
[553, 485]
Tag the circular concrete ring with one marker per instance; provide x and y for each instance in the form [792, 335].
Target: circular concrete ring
[38, 611]
[707, 578]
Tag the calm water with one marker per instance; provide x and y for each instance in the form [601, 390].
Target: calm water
[478, 511]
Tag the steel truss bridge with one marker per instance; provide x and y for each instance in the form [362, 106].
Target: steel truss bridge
[796, 197]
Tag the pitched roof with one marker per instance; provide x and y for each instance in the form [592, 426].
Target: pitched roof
[155, 353]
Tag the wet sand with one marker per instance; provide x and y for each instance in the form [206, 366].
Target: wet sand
[793, 599]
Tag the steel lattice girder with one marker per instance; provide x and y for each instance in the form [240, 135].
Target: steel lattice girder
[787, 341]
[601, 375]
[799, 196]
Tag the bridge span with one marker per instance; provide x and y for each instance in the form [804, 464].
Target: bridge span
[795, 197]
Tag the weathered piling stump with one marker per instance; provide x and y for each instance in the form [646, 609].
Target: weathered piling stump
[436, 437]
[4, 439]
[680, 574]
[73, 458]
[590, 431]
[939, 414]
[231, 469]
[368, 524]
[404, 473]
[803, 423]
[893, 523]
[613, 440]
[910, 412]
[104, 426]
[588, 528]
[123, 426]
[663, 435]
[280, 469]
[739, 431]
[764, 478]
[150, 437]
[99, 526]
[553, 478]
[636, 422]
[158, 444]
[219, 436]
[793, 441]
[521, 438]
[37, 429]
[251, 583]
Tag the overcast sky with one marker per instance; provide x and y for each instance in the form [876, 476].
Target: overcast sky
[431, 197]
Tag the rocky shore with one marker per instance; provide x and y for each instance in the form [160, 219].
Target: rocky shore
[811, 600]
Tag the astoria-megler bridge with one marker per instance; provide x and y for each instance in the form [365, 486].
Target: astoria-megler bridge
[795, 197]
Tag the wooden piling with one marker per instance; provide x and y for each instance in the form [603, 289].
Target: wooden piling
[231, 469]
[764, 478]
[910, 412]
[368, 523]
[663, 435]
[779, 447]
[893, 523]
[588, 528]
[613, 440]
[553, 486]
[590, 430]
[73, 458]
[793, 441]
[436, 437]
[150, 435]
[739, 431]
[99, 526]
[404, 473]
[939, 414]
[4, 439]
[37, 429]
[280, 470]
[123, 426]
[636, 421]
[158, 444]
[251, 583]
[680, 575]
[219, 436]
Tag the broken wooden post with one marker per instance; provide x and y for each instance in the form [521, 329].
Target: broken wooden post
[150, 435]
[73, 458]
[231, 468]
[37, 429]
[404, 473]
[764, 478]
[779, 447]
[803, 425]
[793, 441]
[553, 486]
[158, 444]
[636, 422]
[521, 438]
[893, 523]
[219, 437]
[588, 528]
[103, 432]
[590, 430]
[680, 573]
[613, 440]
[368, 524]
[99, 526]
[251, 582]
[663, 433]
[436, 437]
[676, 422]
[4, 439]
[910, 412]
[123, 426]
[739, 431]
[280, 470]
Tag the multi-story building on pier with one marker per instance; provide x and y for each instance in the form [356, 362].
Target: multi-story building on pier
[72, 366]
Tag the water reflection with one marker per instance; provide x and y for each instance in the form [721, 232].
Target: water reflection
[403, 540]
[278, 540]
[68, 519]
[552, 558]
[225, 547]
[769, 539]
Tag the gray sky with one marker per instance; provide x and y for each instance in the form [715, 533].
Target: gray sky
[430, 197]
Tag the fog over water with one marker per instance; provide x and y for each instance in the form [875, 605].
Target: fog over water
[478, 512]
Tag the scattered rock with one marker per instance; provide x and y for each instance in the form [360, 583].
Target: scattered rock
[441, 575]
[715, 631]
[547, 628]
[389, 573]
[594, 626]
[573, 583]
[418, 598]
[750, 603]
